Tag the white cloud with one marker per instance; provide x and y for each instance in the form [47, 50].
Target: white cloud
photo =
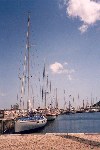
[58, 68]
[88, 11]
[83, 28]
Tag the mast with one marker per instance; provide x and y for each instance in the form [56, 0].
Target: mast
[64, 101]
[91, 100]
[56, 100]
[69, 105]
[83, 103]
[28, 48]
[28, 57]
[45, 99]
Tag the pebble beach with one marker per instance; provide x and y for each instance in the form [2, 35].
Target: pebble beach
[50, 141]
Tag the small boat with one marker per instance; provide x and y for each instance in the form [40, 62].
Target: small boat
[51, 116]
[25, 124]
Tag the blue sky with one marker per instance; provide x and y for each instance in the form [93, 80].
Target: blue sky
[65, 35]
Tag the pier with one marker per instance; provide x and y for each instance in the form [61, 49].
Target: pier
[6, 125]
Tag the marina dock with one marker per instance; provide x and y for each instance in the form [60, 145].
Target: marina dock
[6, 125]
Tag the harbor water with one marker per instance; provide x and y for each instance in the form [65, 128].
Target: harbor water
[74, 123]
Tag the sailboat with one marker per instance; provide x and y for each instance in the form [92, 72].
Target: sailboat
[50, 114]
[35, 121]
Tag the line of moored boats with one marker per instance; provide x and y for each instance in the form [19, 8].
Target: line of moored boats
[35, 119]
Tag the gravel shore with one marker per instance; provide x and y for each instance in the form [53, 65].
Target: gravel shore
[50, 142]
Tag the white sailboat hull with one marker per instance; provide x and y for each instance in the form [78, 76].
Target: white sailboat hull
[21, 126]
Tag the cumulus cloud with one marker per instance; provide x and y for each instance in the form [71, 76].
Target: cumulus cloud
[58, 68]
[88, 11]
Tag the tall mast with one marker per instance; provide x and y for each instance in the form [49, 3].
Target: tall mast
[28, 57]
[28, 48]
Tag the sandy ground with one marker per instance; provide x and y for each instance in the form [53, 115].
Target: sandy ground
[50, 142]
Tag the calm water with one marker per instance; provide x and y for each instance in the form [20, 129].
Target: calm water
[74, 123]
